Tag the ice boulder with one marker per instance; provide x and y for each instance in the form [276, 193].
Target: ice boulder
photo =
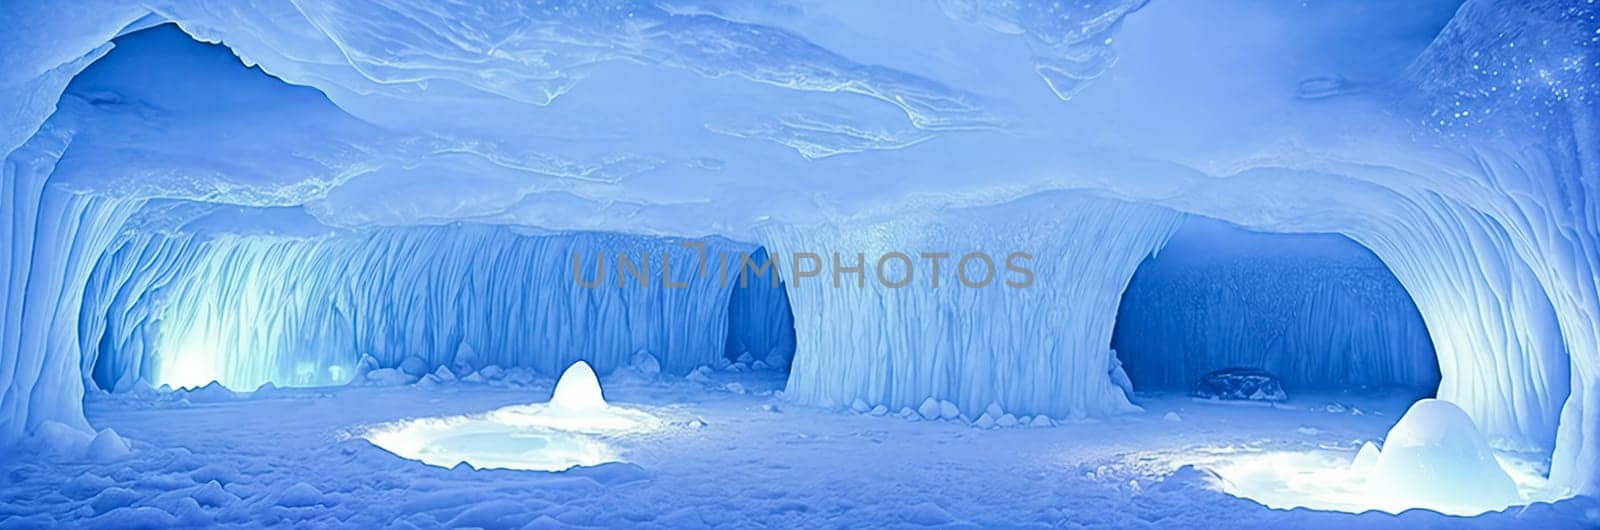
[107, 446]
[1435, 458]
[578, 389]
[1240, 384]
[466, 360]
[645, 363]
[777, 359]
[994, 410]
[366, 364]
[389, 377]
[929, 409]
[491, 372]
[948, 410]
[414, 366]
[444, 375]
[859, 406]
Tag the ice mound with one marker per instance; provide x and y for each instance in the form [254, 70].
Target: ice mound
[1435, 458]
[566, 432]
[578, 389]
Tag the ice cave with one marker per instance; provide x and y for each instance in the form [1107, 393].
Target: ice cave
[800, 264]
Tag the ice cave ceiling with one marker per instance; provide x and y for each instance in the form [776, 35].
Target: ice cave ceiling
[156, 149]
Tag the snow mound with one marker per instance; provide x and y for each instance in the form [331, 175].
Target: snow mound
[1435, 458]
[107, 446]
[301, 495]
[578, 389]
[57, 439]
[1366, 459]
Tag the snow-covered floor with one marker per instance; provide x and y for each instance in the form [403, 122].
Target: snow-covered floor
[724, 459]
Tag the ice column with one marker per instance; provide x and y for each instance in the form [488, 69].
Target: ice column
[49, 239]
[1038, 349]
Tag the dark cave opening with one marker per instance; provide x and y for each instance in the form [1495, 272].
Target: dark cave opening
[1319, 311]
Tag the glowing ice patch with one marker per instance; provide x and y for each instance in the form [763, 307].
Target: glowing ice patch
[568, 431]
[1433, 459]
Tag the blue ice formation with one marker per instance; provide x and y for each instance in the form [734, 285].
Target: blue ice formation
[245, 310]
[1317, 310]
[1455, 141]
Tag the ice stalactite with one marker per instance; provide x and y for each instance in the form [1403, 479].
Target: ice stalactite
[249, 309]
[1317, 310]
[1037, 349]
[51, 239]
[759, 320]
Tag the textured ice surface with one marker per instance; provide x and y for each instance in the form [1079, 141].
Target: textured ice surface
[811, 467]
[1457, 144]
[248, 309]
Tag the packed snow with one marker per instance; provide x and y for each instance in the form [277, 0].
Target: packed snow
[716, 459]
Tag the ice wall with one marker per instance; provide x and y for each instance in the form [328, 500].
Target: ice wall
[1529, 215]
[245, 310]
[50, 236]
[1036, 349]
[1496, 333]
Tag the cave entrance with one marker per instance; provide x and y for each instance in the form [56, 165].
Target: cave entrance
[760, 321]
[1320, 312]
[1330, 323]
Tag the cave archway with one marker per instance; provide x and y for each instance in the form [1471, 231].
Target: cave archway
[760, 321]
[1319, 311]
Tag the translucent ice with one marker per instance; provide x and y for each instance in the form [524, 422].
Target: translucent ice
[1435, 458]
